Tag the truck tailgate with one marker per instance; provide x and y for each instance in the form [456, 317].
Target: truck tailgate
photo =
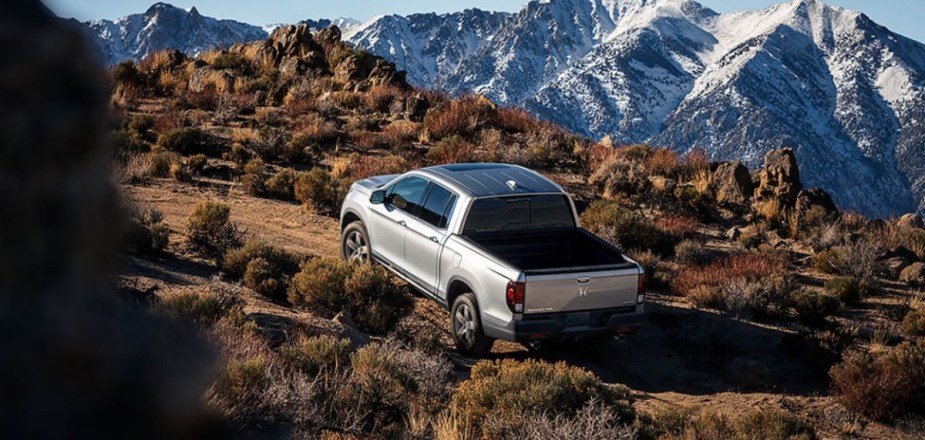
[579, 291]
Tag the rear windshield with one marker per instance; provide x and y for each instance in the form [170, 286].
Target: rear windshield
[519, 213]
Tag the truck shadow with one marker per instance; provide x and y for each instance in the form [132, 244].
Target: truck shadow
[694, 352]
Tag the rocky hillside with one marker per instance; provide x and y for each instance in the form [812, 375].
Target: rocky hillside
[845, 92]
[771, 313]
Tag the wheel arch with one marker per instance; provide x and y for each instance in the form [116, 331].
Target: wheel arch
[456, 287]
[349, 217]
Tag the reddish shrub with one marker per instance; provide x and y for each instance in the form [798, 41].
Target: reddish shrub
[677, 225]
[663, 162]
[516, 120]
[747, 267]
[697, 160]
[460, 117]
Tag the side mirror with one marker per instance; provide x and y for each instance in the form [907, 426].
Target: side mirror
[378, 197]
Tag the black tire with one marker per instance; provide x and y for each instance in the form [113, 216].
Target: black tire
[354, 243]
[466, 327]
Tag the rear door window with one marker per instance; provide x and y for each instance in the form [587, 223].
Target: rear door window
[438, 207]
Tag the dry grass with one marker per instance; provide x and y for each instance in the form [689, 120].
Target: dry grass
[399, 134]
[663, 162]
[461, 117]
[677, 226]
[743, 267]
[380, 98]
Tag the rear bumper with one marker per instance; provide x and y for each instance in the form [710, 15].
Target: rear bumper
[600, 322]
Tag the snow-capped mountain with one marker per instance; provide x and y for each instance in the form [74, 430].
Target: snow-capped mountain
[164, 26]
[847, 93]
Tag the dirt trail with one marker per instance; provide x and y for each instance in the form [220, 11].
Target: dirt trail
[284, 224]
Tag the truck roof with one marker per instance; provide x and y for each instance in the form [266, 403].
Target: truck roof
[494, 179]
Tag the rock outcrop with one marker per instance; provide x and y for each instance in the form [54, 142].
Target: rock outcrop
[732, 183]
[813, 206]
[779, 178]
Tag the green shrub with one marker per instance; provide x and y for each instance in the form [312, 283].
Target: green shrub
[885, 385]
[182, 140]
[319, 190]
[318, 354]
[825, 261]
[281, 185]
[380, 388]
[203, 309]
[146, 234]
[773, 425]
[508, 389]
[236, 260]
[162, 161]
[914, 323]
[265, 279]
[691, 252]
[848, 290]
[813, 308]
[124, 144]
[254, 180]
[328, 286]
[624, 228]
[211, 232]
[197, 163]
[239, 154]
[140, 126]
[757, 424]
[241, 385]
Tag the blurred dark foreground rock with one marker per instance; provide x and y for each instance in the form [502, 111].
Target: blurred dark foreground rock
[74, 362]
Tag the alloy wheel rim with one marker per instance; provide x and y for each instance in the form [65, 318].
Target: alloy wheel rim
[464, 325]
[355, 248]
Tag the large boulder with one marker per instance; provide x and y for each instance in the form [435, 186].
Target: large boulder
[292, 49]
[779, 178]
[813, 206]
[732, 183]
[205, 77]
[914, 275]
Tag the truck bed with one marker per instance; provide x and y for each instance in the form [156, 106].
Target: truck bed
[549, 252]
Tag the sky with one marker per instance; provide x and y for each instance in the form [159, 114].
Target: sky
[901, 16]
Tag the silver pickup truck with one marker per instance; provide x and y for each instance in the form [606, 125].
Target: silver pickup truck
[500, 246]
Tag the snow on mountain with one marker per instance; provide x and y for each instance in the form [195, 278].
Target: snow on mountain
[164, 26]
[847, 93]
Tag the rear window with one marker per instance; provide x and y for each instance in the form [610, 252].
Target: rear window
[523, 213]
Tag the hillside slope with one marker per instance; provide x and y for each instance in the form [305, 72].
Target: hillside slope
[841, 89]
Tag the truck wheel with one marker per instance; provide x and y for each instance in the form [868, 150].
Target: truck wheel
[355, 243]
[466, 325]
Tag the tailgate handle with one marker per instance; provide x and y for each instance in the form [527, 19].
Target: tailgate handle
[583, 280]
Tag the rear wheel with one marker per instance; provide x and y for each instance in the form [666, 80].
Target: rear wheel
[466, 325]
[355, 243]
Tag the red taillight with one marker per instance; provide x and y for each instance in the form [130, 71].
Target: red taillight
[641, 289]
[515, 296]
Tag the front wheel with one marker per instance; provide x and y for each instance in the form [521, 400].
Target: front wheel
[355, 243]
[466, 325]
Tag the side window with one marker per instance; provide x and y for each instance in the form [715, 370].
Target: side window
[407, 194]
[438, 207]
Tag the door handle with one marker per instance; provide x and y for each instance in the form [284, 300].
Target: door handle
[434, 239]
[402, 223]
